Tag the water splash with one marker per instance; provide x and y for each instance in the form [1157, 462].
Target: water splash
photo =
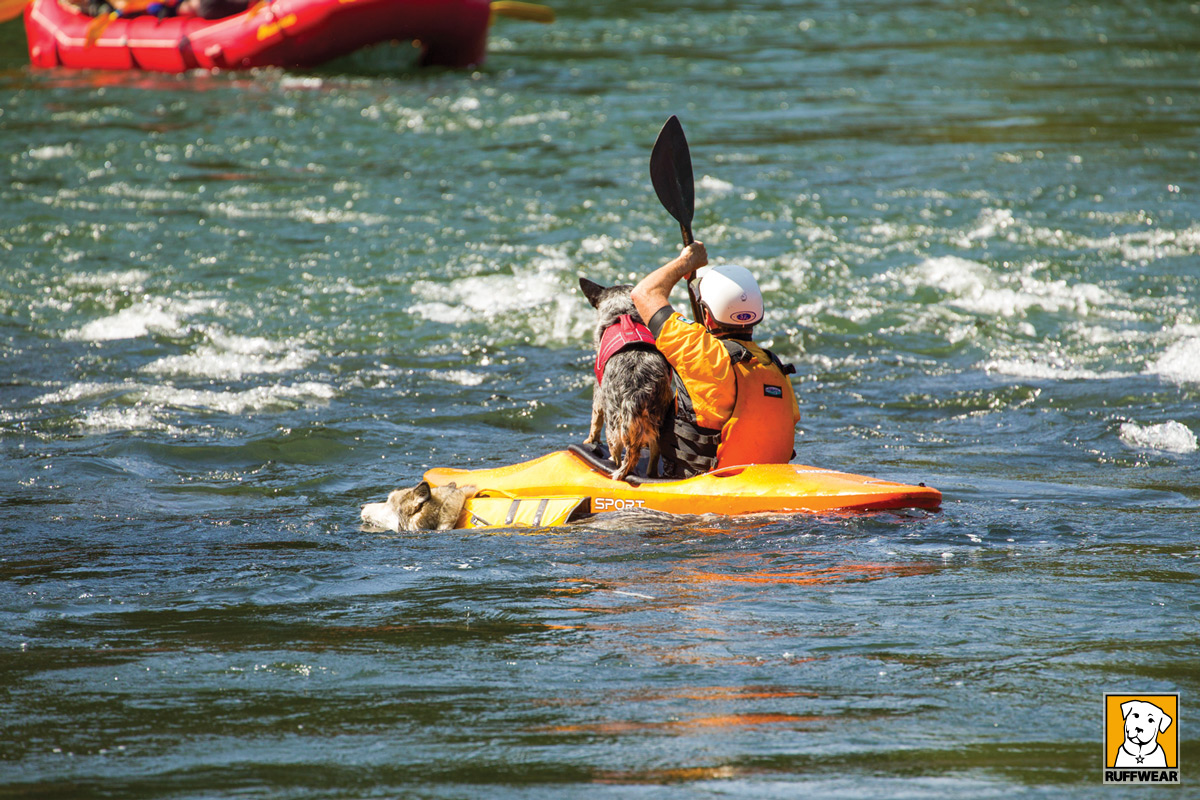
[1169, 437]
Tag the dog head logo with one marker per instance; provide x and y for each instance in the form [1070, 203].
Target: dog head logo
[1143, 723]
[1141, 731]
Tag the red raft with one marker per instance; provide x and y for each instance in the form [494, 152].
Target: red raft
[282, 33]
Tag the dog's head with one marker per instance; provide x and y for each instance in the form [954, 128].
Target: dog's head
[423, 509]
[409, 505]
[610, 302]
[1143, 721]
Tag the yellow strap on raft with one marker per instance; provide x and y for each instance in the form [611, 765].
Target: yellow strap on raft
[97, 26]
[518, 512]
[515, 9]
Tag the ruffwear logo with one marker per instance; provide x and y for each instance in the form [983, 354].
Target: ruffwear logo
[1141, 738]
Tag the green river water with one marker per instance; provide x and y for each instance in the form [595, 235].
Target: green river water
[235, 307]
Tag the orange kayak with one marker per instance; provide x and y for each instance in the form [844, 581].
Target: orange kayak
[568, 484]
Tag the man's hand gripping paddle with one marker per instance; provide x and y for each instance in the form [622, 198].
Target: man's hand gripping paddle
[671, 174]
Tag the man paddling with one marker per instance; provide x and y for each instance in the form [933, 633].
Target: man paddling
[733, 401]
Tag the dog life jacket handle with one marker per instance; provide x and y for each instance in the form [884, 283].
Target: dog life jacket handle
[622, 334]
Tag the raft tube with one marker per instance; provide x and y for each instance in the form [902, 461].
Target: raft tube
[282, 33]
[569, 484]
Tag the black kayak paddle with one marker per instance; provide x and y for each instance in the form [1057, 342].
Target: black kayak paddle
[671, 174]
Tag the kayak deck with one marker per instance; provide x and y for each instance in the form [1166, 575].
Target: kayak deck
[573, 482]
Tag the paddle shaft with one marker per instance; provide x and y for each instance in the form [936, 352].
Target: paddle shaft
[692, 290]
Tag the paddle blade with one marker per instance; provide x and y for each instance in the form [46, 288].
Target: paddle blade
[671, 174]
[11, 9]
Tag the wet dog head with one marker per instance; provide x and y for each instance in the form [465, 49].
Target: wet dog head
[610, 302]
[1143, 721]
[421, 508]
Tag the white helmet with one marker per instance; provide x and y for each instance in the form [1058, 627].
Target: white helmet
[730, 294]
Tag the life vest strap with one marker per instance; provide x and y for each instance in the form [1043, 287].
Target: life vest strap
[686, 447]
[502, 511]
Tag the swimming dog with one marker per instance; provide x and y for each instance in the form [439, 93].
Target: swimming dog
[420, 508]
[633, 381]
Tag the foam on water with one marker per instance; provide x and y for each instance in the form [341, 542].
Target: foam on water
[163, 316]
[991, 224]
[1151, 244]
[233, 357]
[1051, 369]
[103, 420]
[1180, 362]
[84, 390]
[951, 274]
[462, 377]
[1170, 437]
[144, 404]
[1150, 240]
[239, 402]
[483, 297]
[974, 287]
[1038, 326]
[553, 313]
[51, 151]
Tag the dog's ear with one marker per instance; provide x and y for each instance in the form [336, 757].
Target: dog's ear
[1164, 722]
[422, 493]
[1126, 707]
[591, 290]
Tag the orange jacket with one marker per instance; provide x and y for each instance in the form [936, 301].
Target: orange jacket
[733, 401]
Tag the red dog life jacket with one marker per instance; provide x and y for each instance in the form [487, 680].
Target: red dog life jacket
[618, 336]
